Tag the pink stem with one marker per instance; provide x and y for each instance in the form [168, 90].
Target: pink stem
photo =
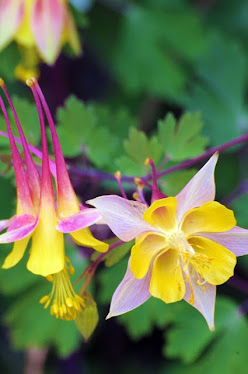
[33, 174]
[47, 194]
[23, 194]
[63, 180]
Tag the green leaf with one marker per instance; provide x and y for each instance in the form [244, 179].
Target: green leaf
[115, 273]
[87, 318]
[140, 322]
[9, 59]
[227, 352]
[182, 140]
[218, 93]
[239, 207]
[29, 323]
[94, 130]
[160, 72]
[138, 147]
[7, 197]
[173, 183]
[102, 148]
[118, 120]
[28, 116]
[114, 256]
[75, 126]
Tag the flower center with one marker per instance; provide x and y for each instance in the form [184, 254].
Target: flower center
[66, 304]
[192, 262]
[178, 241]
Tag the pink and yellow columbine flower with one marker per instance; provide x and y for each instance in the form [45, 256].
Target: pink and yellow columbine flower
[38, 217]
[185, 245]
[40, 27]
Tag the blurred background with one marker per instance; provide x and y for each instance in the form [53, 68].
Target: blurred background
[140, 61]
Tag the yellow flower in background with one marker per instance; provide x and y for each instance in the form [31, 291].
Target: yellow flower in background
[40, 28]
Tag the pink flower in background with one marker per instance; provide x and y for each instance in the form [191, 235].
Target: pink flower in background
[40, 27]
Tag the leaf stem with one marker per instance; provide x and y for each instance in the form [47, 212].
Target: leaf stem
[90, 270]
[99, 175]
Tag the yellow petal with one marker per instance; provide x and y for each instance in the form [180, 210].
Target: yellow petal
[143, 252]
[85, 238]
[24, 36]
[16, 254]
[162, 214]
[210, 217]
[71, 34]
[167, 281]
[47, 251]
[213, 261]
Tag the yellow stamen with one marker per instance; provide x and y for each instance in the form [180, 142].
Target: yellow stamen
[65, 302]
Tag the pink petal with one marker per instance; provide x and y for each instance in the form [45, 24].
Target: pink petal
[47, 22]
[199, 190]
[4, 223]
[80, 220]
[11, 14]
[203, 301]
[19, 228]
[124, 217]
[236, 240]
[130, 293]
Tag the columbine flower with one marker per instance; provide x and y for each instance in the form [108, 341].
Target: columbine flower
[185, 245]
[36, 215]
[40, 27]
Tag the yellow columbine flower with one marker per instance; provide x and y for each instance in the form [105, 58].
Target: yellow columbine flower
[40, 28]
[185, 245]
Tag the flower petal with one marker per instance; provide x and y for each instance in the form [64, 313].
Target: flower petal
[130, 293]
[202, 301]
[213, 261]
[85, 238]
[143, 252]
[167, 281]
[162, 214]
[19, 228]
[72, 34]
[16, 254]
[11, 13]
[210, 217]
[236, 240]
[80, 220]
[199, 190]
[47, 22]
[47, 249]
[4, 223]
[124, 217]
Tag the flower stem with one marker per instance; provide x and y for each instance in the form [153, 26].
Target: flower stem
[90, 270]
[99, 175]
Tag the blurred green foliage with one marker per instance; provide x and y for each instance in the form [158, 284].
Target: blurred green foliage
[178, 83]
